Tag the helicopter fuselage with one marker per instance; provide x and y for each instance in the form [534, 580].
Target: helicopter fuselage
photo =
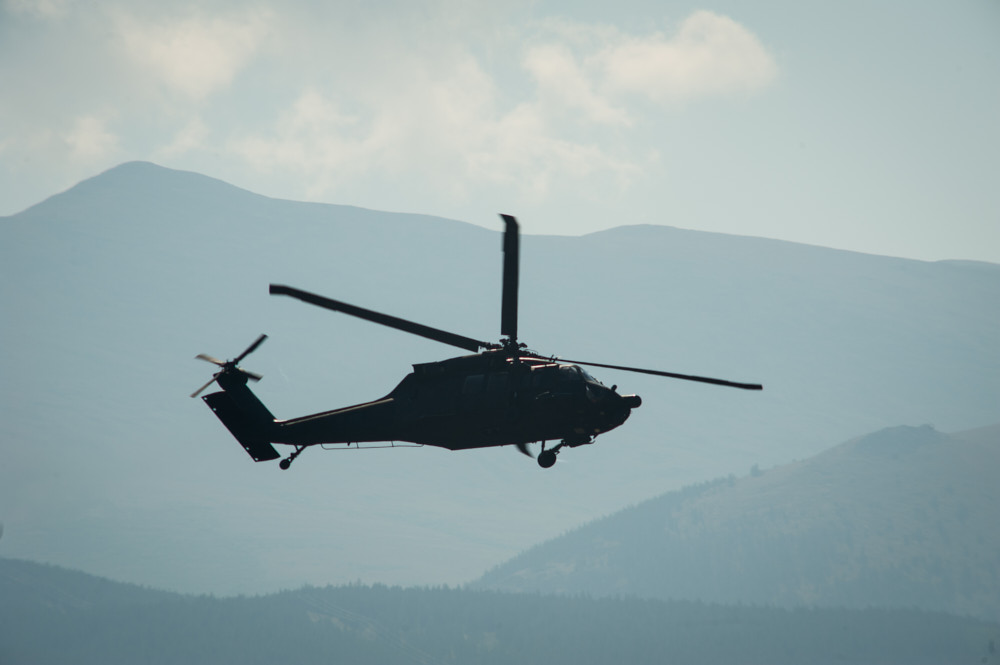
[477, 401]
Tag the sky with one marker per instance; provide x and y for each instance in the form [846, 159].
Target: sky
[868, 126]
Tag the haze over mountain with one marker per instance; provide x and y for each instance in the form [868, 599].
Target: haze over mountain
[905, 517]
[111, 288]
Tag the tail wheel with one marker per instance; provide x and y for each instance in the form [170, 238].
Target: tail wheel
[287, 462]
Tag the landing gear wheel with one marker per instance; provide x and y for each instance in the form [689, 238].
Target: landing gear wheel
[287, 462]
[546, 458]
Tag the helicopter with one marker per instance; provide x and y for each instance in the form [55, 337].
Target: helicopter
[501, 394]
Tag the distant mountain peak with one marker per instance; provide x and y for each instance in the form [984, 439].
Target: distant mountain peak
[902, 439]
[133, 187]
[149, 175]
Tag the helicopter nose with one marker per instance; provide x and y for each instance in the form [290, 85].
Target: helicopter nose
[632, 401]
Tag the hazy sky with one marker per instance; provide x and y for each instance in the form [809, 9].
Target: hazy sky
[872, 126]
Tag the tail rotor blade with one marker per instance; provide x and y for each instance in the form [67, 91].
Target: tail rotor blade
[202, 389]
[250, 349]
[208, 358]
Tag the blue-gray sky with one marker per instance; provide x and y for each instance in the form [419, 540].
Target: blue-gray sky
[869, 126]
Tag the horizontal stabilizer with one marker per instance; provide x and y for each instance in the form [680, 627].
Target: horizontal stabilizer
[241, 427]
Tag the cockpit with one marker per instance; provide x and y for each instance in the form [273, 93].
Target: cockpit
[587, 376]
[548, 375]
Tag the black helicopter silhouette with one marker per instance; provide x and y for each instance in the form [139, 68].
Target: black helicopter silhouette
[503, 394]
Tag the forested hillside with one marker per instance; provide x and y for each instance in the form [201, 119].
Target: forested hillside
[903, 517]
[49, 615]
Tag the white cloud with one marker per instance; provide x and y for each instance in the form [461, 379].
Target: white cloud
[311, 136]
[190, 137]
[524, 152]
[441, 123]
[422, 118]
[561, 82]
[195, 55]
[710, 55]
[90, 140]
[335, 101]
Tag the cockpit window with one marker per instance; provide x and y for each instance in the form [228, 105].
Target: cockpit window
[569, 373]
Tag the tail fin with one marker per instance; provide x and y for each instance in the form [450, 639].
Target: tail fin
[250, 432]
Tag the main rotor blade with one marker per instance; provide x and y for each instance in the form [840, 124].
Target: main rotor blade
[686, 377]
[435, 334]
[511, 260]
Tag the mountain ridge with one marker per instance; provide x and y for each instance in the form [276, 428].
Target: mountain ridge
[142, 174]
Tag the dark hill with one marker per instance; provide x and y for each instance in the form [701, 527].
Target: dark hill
[30, 587]
[904, 517]
[379, 625]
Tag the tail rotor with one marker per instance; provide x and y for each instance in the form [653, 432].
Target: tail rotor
[230, 366]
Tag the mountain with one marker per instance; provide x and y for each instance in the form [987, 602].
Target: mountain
[86, 620]
[111, 288]
[903, 517]
[27, 587]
